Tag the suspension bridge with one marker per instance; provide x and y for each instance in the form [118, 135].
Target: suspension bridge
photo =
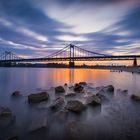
[70, 53]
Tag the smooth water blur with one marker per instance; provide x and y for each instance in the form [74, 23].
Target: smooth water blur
[30, 79]
[117, 119]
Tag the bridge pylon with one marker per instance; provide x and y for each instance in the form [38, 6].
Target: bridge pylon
[135, 62]
[71, 62]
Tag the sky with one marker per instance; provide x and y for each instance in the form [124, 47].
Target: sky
[37, 28]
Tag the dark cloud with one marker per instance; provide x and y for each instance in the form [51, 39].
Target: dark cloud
[131, 23]
[27, 14]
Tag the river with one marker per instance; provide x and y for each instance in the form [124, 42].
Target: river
[117, 119]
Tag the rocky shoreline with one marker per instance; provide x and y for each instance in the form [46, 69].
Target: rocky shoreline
[67, 100]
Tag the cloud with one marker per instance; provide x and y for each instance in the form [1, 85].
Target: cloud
[37, 28]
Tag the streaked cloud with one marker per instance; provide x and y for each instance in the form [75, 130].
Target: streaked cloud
[37, 28]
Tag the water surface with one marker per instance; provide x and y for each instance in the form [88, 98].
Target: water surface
[118, 118]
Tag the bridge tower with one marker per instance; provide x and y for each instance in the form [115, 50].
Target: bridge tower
[135, 62]
[71, 62]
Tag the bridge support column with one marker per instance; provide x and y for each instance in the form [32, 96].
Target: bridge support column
[71, 64]
[135, 62]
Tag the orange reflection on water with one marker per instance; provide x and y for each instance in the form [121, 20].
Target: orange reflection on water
[59, 76]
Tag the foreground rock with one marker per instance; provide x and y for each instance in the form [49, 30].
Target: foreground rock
[75, 106]
[38, 124]
[38, 97]
[70, 95]
[93, 100]
[109, 88]
[78, 88]
[16, 94]
[58, 103]
[135, 97]
[59, 89]
[5, 111]
[82, 83]
[6, 117]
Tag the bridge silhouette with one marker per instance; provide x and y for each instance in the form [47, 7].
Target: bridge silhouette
[70, 53]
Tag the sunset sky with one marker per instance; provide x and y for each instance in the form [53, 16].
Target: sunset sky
[36, 28]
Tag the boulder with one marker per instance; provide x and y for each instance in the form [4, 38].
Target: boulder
[16, 94]
[82, 83]
[38, 97]
[6, 117]
[58, 103]
[78, 88]
[135, 97]
[101, 96]
[38, 124]
[5, 111]
[70, 95]
[59, 89]
[75, 106]
[65, 84]
[109, 88]
[93, 100]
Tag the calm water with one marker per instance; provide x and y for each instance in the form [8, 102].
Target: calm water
[119, 118]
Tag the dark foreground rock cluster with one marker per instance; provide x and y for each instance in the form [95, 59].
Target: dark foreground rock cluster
[73, 99]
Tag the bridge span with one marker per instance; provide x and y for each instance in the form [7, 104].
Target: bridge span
[70, 53]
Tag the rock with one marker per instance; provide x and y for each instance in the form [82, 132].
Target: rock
[93, 100]
[65, 84]
[109, 88]
[58, 103]
[59, 89]
[6, 117]
[125, 91]
[75, 106]
[38, 124]
[135, 97]
[38, 97]
[82, 83]
[16, 94]
[78, 88]
[5, 111]
[101, 96]
[70, 95]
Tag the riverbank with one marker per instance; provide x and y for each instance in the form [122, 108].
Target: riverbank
[113, 68]
[120, 68]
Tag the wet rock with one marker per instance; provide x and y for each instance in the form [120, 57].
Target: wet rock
[38, 97]
[65, 84]
[82, 83]
[58, 103]
[109, 88]
[101, 96]
[38, 124]
[70, 95]
[75, 106]
[125, 91]
[78, 88]
[93, 100]
[6, 117]
[135, 97]
[16, 94]
[5, 111]
[59, 89]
